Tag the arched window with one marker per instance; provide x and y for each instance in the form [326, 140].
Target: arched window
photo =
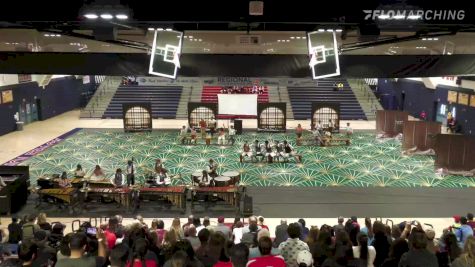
[200, 113]
[324, 115]
[272, 118]
[137, 118]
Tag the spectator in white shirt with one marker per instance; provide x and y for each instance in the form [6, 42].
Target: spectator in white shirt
[363, 251]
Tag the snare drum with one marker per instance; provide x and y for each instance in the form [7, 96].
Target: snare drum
[234, 175]
[222, 181]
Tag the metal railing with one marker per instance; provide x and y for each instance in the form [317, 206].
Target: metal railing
[103, 89]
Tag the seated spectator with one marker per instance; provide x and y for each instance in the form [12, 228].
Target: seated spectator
[237, 232]
[449, 251]
[255, 251]
[78, 248]
[109, 233]
[27, 253]
[221, 227]
[364, 251]
[281, 233]
[267, 258]
[189, 222]
[43, 222]
[381, 243]
[261, 223]
[463, 231]
[203, 236]
[398, 248]
[45, 254]
[191, 259]
[250, 238]
[64, 250]
[141, 256]
[305, 230]
[418, 254]
[30, 227]
[192, 238]
[289, 249]
[470, 221]
[238, 257]
[214, 251]
[304, 259]
[14, 231]
[322, 248]
[119, 255]
[467, 259]
[158, 228]
[252, 221]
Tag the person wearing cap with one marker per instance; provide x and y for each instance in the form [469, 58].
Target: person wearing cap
[305, 259]
[267, 258]
[221, 227]
[289, 249]
[463, 232]
[45, 254]
[78, 246]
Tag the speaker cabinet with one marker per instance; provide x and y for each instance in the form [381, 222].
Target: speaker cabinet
[247, 211]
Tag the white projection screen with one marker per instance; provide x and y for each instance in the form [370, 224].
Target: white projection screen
[237, 104]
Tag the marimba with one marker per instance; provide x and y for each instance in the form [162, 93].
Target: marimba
[174, 194]
[229, 194]
[66, 195]
[119, 195]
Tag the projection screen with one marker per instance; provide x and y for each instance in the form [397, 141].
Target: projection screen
[237, 104]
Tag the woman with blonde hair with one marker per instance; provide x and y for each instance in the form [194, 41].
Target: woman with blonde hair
[42, 222]
[467, 259]
[176, 226]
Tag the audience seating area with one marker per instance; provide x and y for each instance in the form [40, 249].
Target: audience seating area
[210, 94]
[35, 241]
[164, 100]
[301, 99]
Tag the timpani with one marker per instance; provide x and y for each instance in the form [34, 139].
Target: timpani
[222, 181]
[234, 175]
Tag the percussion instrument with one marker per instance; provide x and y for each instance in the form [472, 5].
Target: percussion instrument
[119, 194]
[234, 175]
[174, 194]
[64, 194]
[229, 194]
[222, 180]
[104, 183]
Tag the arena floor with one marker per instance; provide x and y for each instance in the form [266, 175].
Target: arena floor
[366, 163]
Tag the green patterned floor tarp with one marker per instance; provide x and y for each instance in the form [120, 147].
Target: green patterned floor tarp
[367, 162]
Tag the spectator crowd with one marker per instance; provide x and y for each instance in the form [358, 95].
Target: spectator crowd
[33, 241]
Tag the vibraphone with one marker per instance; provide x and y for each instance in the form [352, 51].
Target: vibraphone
[100, 183]
[66, 195]
[119, 195]
[229, 194]
[174, 194]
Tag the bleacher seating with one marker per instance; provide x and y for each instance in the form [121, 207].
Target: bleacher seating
[210, 94]
[164, 100]
[301, 99]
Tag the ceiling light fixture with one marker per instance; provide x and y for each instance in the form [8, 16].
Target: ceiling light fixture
[413, 17]
[168, 29]
[338, 30]
[106, 16]
[329, 30]
[159, 29]
[90, 16]
[292, 37]
[151, 29]
[321, 30]
[121, 16]
[298, 37]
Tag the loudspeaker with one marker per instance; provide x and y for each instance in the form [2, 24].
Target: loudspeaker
[247, 211]
[238, 126]
[39, 109]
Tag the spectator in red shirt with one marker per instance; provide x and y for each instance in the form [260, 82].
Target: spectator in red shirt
[470, 221]
[110, 232]
[267, 259]
[261, 223]
[141, 256]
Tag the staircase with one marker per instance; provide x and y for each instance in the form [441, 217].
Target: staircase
[101, 98]
[44, 81]
[280, 94]
[368, 101]
[182, 110]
